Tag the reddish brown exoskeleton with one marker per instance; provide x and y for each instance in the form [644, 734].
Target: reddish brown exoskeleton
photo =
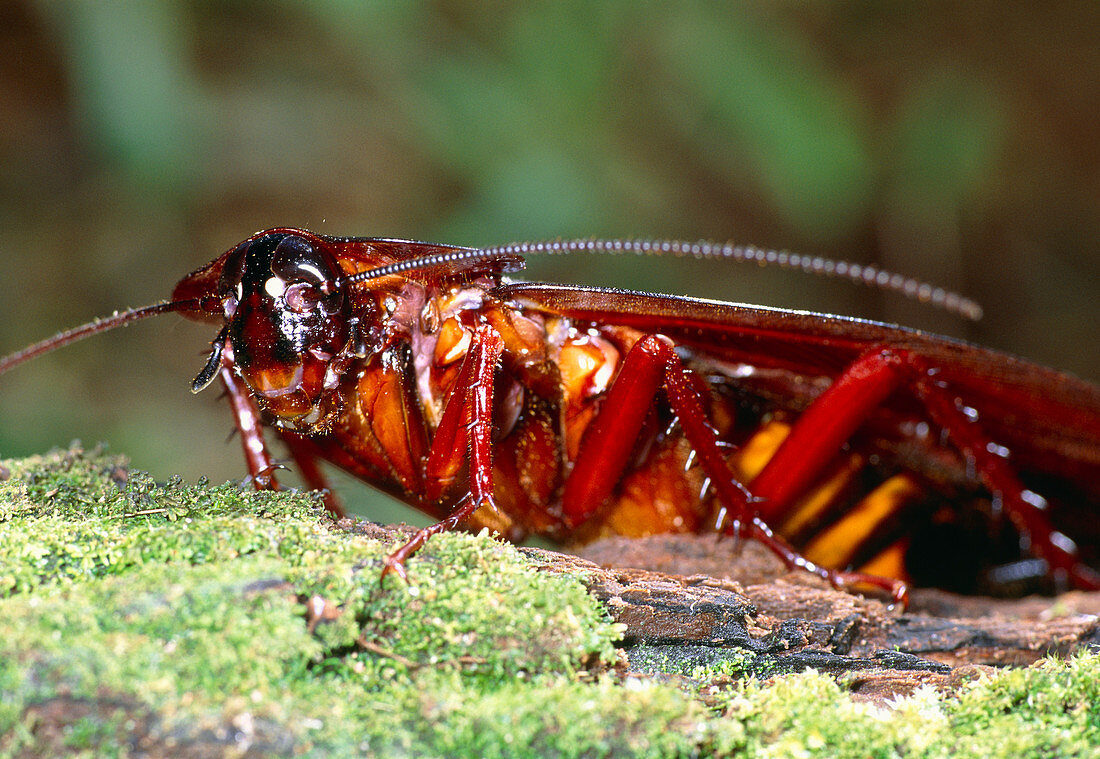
[864, 452]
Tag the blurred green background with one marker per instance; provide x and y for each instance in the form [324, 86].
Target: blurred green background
[955, 142]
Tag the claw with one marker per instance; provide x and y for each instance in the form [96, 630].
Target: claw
[396, 565]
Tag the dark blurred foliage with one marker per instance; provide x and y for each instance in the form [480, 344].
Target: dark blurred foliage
[954, 142]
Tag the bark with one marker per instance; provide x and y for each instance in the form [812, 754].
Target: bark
[694, 601]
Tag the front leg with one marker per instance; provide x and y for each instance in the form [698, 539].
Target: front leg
[464, 434]
[246, 418]
[261, 467]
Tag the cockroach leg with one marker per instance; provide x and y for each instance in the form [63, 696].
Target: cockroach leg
[821, 430]
[792, 559]
[448, 453]
[609, 439]
[831, 419]
[738, 501]
[261, 466]
[1024, 508]
[469, 407]
[813, 442]
[246, 417]
[651, 364]
[395, 562]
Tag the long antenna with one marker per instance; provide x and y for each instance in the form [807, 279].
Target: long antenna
[508, 262]
[863, 274]
[117, 319]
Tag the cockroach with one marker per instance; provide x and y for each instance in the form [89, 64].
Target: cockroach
[867, 453]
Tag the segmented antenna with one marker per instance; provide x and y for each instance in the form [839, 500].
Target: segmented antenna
[864, 274]
[461, 255]
[117, 319]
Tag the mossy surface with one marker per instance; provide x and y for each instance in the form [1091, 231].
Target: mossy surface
[178, 620]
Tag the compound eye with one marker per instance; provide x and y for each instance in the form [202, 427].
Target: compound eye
[295, 260]
[310, 279]
[233, 269]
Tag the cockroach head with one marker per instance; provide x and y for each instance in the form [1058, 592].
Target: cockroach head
[293, 318]
[286, 320]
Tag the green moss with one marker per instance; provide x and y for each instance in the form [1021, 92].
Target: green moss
[1047, 710]
[178, 614]
[187, 603]
[67, 517]
[1052, 709]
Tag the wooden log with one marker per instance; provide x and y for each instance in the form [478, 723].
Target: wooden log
[689, 601]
